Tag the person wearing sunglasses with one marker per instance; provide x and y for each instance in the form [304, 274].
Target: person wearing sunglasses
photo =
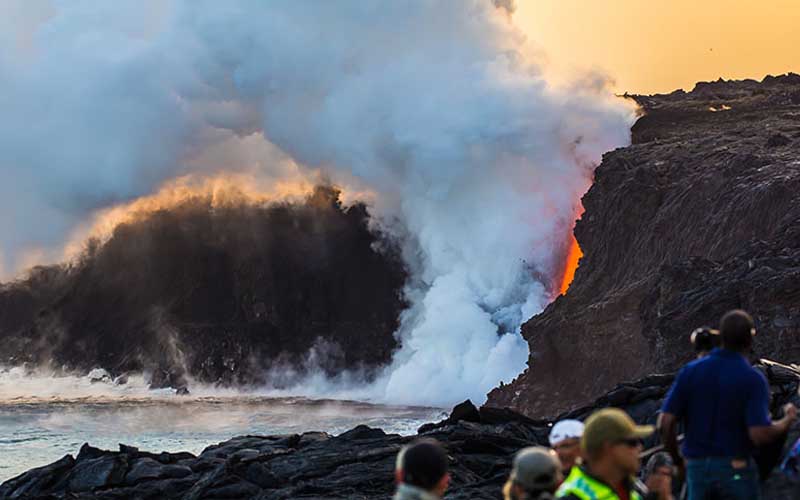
[611, 445]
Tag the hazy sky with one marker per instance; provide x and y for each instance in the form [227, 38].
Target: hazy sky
[649, 46]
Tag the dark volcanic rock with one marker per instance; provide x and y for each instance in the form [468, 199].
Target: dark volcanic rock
[149, 469]
[356, 465]
[221, 290]
[700, 215]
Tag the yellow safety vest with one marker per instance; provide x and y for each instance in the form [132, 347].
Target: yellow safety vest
[586, 487]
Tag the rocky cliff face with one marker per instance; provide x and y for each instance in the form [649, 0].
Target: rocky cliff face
[699, 215]
[218, 293]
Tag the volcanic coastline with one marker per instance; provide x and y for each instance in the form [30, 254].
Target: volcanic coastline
[699, 215]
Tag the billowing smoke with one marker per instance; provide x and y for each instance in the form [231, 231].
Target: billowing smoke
[437, 106]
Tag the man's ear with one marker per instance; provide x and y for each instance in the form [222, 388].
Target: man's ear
[398, 476]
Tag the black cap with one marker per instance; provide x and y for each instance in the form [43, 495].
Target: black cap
[705, 339]
[423, 463]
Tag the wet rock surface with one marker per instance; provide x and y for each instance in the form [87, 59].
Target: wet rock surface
[358, 464]
[701, 214]
[221, 291]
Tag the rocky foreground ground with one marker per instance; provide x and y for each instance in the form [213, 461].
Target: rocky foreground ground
[356, 465]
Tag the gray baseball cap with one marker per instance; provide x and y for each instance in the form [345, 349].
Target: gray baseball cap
[536, 469]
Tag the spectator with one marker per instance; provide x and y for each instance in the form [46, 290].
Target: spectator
[535, 476]
[565, 439]
[421, 471]
[658, 475]
[704, 340]
[723, 403]
[611, 445]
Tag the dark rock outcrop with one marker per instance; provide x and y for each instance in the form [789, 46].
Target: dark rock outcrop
[701, 214]
[222, 292]
[356, 465]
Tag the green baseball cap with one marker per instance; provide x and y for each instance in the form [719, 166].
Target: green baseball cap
[611, 425]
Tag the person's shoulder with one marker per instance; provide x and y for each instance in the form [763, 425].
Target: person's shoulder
[692, 366]
[756, 376]
[569, 496]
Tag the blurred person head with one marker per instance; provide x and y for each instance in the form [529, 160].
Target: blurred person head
[704, 340]
[565, 439]
[422, 465]
[611, 443]
[737, 330]
[535, 475]
[658, 473]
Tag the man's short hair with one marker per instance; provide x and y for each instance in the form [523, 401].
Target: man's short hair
[737, 329]
[423, 463]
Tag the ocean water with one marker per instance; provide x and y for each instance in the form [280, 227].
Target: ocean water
[43, 418]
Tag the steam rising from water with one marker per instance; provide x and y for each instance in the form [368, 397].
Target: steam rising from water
[436, 106]
[45, 416]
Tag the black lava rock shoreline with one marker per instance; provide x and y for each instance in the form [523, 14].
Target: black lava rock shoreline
[356, 465]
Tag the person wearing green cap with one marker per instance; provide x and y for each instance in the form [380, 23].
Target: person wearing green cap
[611, 444]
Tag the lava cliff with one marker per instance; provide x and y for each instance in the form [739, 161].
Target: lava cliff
[701, 214]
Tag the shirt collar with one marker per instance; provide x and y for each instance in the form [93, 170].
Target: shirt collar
[727, 353]
[408, 491]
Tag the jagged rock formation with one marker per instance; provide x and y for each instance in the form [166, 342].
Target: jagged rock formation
[220, 292]
[355, 465]
[701, 214]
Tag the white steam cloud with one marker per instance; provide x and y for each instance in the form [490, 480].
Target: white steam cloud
[436, 105]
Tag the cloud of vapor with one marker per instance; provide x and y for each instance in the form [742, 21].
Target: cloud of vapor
[437, 106]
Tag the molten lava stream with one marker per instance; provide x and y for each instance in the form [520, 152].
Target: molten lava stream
[571, 265]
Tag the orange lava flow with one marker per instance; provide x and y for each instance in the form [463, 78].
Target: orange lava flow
[571, 265]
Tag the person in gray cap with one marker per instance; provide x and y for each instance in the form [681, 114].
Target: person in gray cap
[535, 476]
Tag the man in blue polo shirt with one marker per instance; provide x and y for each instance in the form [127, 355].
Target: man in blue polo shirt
[723, 403]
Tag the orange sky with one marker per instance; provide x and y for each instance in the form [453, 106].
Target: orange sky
[648, 46]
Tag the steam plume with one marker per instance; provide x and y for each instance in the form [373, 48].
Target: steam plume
[437, 106]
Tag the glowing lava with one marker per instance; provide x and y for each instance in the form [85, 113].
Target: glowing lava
[571, 265]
